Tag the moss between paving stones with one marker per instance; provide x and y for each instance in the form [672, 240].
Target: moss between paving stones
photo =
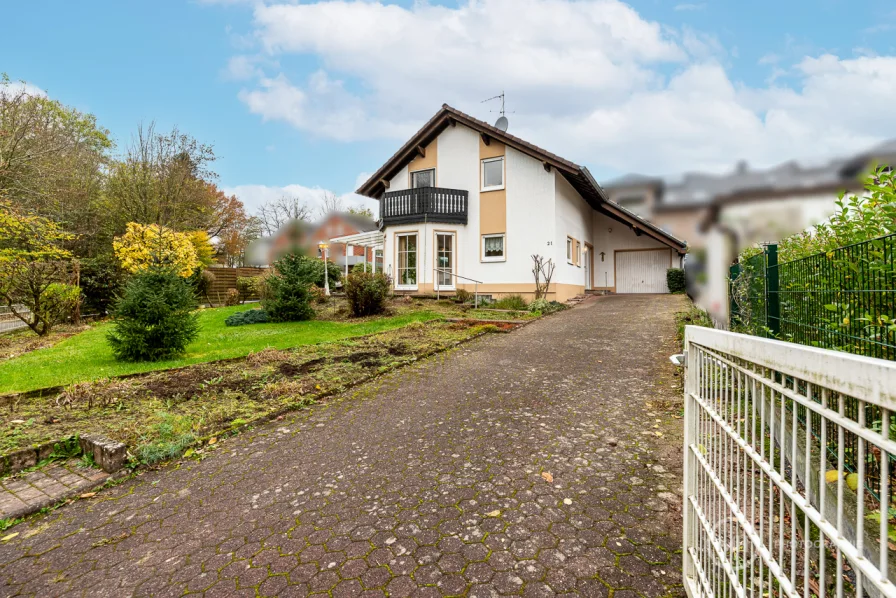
[208, 398]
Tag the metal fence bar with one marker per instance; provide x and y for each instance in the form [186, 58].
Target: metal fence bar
[767, 510]
[9, 322]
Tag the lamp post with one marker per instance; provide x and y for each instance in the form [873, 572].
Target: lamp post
[324, 247]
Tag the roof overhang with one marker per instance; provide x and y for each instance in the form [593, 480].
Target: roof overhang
[578, 176]
[372, 239]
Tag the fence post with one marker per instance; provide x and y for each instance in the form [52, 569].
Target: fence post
[772, 291]
[733, 310]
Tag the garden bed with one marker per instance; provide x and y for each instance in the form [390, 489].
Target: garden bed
[157, 415]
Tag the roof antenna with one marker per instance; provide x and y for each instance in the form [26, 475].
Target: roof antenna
[502, 122]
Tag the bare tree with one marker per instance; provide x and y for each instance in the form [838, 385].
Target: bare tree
[543, 271]
[330, 203]
[274, 214]
[163, 179]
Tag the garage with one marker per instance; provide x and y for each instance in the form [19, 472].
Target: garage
[642, 270]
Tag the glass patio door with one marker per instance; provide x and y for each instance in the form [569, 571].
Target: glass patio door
[445, 260]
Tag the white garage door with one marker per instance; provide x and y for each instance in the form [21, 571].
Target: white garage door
[642, 271]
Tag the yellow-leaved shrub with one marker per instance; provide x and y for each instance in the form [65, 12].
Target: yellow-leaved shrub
[153, 245]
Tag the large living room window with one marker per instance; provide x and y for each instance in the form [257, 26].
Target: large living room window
[407, 261]
[493, 248]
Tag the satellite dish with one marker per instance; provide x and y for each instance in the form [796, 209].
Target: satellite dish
[502, 123]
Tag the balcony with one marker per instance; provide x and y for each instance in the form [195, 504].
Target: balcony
[424, 204]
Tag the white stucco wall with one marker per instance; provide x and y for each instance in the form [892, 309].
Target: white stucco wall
[400, 181]
[573, 220]
[530, 218]
[610, 235]
[458, 168]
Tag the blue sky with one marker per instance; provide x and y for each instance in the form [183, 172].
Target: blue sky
[300, 97]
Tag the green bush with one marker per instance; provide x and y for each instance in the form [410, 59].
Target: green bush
[367, 292]
[248, 287]
[101, 280]
[288, 298]
[153, 317]
[250, 316]
[58, 301]
[510, 302]
[311, 270]
[463, 295]
[544, 306]
[675, 280]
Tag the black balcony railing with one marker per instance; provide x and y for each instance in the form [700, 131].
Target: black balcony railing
[424, 204]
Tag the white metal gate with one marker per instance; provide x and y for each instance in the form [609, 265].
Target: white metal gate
[642, 271]
[787, 456]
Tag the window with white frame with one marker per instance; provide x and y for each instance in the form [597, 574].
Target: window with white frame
[493, 248]
[423, 178]
[569, 250]
[493, 174]
[407, 260]
[445, 260]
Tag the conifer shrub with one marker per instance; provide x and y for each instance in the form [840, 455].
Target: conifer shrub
[288, 298]
[153, 318]
[250, 316]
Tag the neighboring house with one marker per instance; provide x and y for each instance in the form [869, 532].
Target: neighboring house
[475, 203]
[305, 237]
[720, 215]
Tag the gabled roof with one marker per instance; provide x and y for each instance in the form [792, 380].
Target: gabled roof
[578, 176]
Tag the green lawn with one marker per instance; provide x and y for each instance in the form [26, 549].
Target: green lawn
[87, 356]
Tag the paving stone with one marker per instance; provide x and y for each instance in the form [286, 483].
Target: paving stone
[425, 482]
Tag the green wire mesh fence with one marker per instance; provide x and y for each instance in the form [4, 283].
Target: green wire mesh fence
[844, 299]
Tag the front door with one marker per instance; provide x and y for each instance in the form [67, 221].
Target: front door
[445, 261]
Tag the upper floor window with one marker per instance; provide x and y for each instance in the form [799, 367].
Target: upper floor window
[569, 243]
[493, 174]
[423, 178]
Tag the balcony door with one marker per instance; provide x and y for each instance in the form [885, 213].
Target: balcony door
[407, 261]
[445, 261]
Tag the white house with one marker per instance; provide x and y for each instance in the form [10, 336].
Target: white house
[463, 201]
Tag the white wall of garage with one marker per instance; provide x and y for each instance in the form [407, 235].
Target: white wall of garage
[611, 236]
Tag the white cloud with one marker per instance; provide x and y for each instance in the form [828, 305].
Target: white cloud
[615, 91]
[15, 87]
[254, 196]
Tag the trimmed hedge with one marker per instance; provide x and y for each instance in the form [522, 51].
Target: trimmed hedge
[675, 280]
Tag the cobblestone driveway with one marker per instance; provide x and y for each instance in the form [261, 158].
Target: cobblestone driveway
[540, 462]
